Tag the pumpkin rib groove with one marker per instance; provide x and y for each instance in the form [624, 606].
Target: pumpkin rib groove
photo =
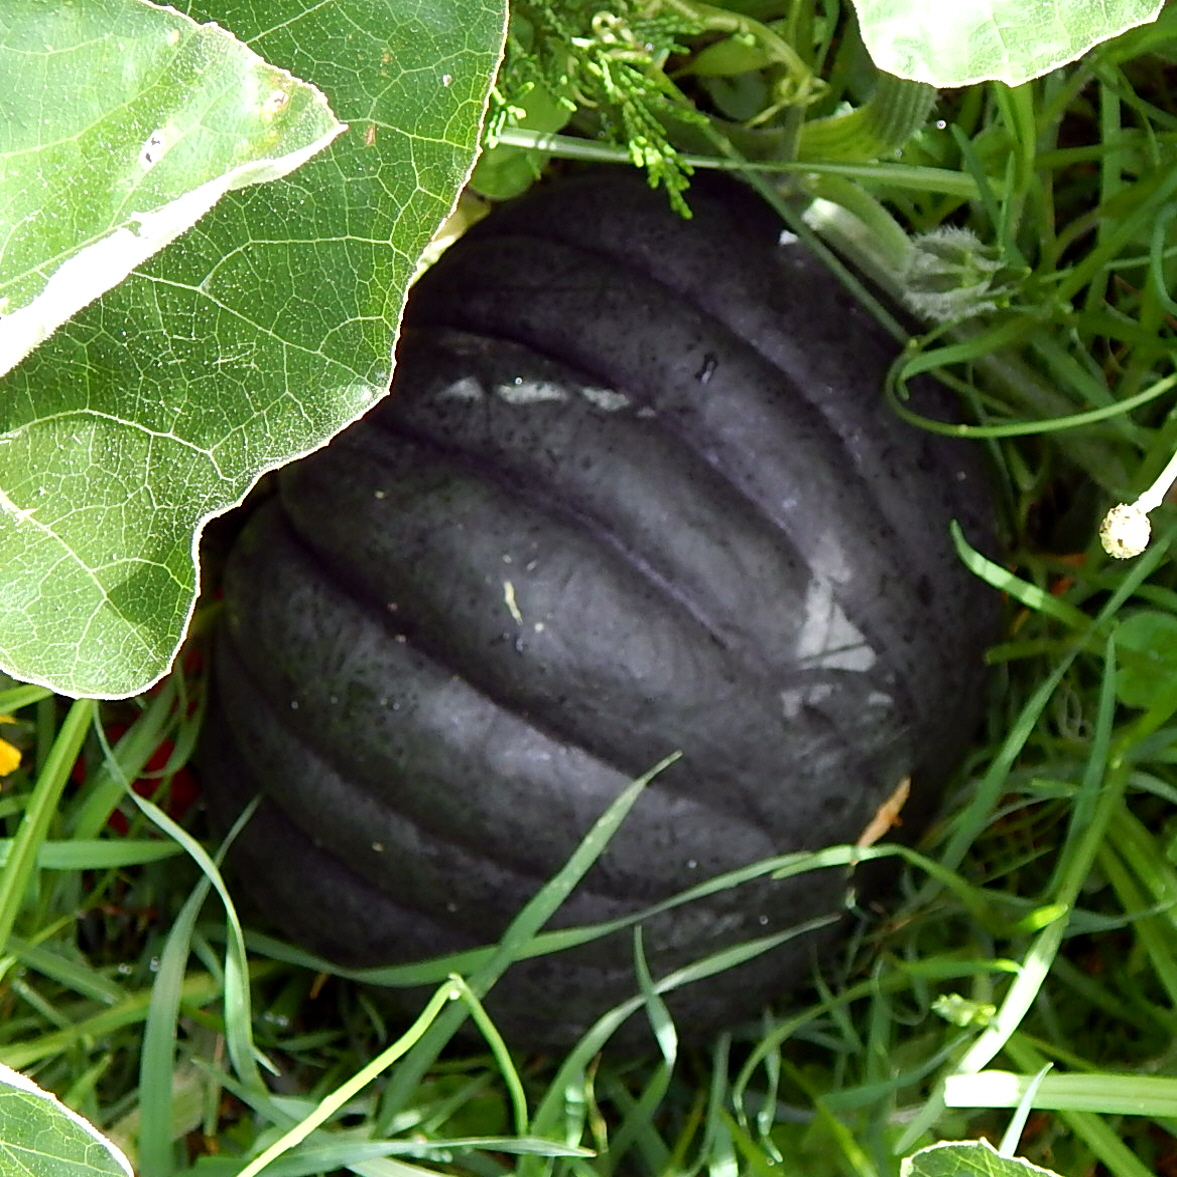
[337, 471]
[581, 345]
[396, 426]
[672, 810]
[331, 793]
[568, 494]
[229, 803]
[693, 786]
[273, 837]
[573, 322]
[566, 323]
[780, 301]
[326, 573]
[759, 275]
[565, 511]
[721, 925]
[582, 208]
[299, 500]
[536, 991]
[668, 297]
[735, 241]
[417, 629]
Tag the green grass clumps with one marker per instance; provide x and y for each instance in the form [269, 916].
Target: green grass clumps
[1032, 232]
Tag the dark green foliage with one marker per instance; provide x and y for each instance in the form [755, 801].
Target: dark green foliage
[636, 491]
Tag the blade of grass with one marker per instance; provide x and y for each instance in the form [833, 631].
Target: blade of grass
[1154, 193]
[716, 1149]
[1016, 104]
[14, 698]
[83, 854]
[1100, 1092]
[549, 1114]
[69, 971]
[333, 1104]
[468, 962]
[1048, 425]
[912, 177]
[1103, 1140]
[238, 1018]
[969, 823]
[785, 866]
[1005, 581]
[39, 813]
[1106, 781]
[106, 785]
[157, 1059]
[1131, 854]
[198, 990]
[1012, 1135]
[638, 1117]
[519, 934]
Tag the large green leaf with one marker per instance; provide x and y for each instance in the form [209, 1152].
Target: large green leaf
[967, 1158]
[93, 182]
[1146, 647]
[248, 341]
[40, 1137]
[955, 44]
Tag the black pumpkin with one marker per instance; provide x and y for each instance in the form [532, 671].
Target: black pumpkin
[636, 491]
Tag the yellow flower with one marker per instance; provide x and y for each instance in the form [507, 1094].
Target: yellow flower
[9, 755]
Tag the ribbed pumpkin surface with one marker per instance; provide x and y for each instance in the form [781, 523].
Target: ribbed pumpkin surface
[635, 491]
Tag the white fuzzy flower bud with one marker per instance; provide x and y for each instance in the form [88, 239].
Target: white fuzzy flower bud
[1125, 531]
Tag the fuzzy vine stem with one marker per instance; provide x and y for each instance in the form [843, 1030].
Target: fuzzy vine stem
[860, 228]
[896, 110]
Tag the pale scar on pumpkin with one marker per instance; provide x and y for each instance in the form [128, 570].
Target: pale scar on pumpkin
[886, 816]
